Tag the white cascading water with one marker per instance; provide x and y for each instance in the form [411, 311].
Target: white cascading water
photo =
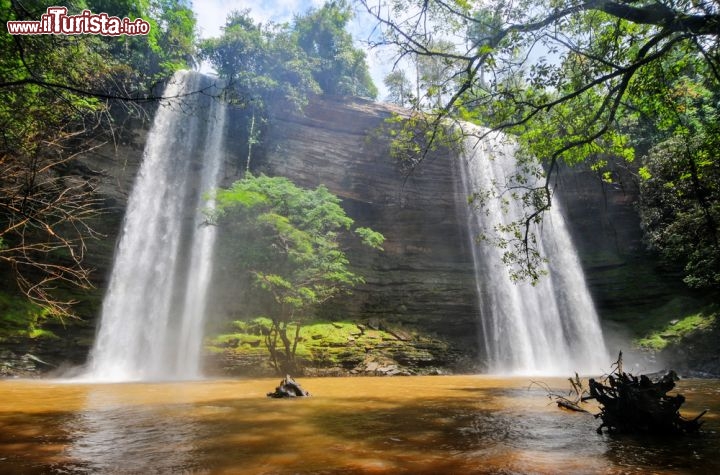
[152, 320]
[552, 327]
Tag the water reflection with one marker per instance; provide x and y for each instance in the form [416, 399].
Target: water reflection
[112, 435]
[414, 425]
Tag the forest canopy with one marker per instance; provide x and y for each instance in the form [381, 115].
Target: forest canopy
[312, 54]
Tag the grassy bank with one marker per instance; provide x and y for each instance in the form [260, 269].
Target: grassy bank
[340, 347]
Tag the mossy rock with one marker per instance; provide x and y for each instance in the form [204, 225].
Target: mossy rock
[20, 318]
[678, 329]
[337, 347]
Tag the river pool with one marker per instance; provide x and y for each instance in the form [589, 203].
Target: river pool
[418, 425]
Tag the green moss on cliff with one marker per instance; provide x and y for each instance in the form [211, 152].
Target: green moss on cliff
[677, 329]
[672, 324]
[317, 341]
[340, 347]
[21, 318]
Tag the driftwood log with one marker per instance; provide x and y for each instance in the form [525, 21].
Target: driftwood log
[631, 404]
[288, 388]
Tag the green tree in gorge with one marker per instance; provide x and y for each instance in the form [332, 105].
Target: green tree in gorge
[285, 241]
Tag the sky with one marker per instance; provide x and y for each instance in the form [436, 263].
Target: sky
[211, 15]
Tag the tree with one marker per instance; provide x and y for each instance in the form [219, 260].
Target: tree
[566, 77]
[284, 63]
[56, 97]
[262, 63]
[275, 67]
[399, 88]
[169, 46]
[338, 67]
[680, 206]
[287, 240]
[434, 72]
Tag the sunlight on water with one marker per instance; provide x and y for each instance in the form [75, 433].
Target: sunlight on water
[440, 424]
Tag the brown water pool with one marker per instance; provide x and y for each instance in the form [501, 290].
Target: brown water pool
[414, 425]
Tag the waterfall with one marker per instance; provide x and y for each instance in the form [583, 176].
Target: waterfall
[153, 312]
[548, 328]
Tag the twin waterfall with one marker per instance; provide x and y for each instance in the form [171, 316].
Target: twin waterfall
[153, 312]
[548, 328]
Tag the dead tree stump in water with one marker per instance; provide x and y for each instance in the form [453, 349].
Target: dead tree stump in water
[288, 388]
[636, 404]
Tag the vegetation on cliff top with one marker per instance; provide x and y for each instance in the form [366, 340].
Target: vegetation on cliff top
[276, 67]
[315, 53]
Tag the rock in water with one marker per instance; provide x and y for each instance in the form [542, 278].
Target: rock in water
[288, 388]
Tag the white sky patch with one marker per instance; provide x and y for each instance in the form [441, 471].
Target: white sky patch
[211, 16]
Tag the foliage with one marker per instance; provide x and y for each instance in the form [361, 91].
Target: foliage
[679, 201]
[262, 63]
[680, 205]
[399, 88]
[570, 79]
[267, 63]
[20, 318]
[287, 239]
[337, 66]
[434, 72]
[412, 138]
[56, 94]
[168, 47]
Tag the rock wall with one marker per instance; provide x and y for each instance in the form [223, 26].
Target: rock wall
[424, 279]
[422, 286]
[623, 276]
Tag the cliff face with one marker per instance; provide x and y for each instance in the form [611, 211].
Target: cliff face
[424, 279]
[421, 290]
[623, 276]
[607, 234]
[425, 274]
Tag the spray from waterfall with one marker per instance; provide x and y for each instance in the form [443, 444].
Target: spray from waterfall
[548, 328]
[153, 312]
